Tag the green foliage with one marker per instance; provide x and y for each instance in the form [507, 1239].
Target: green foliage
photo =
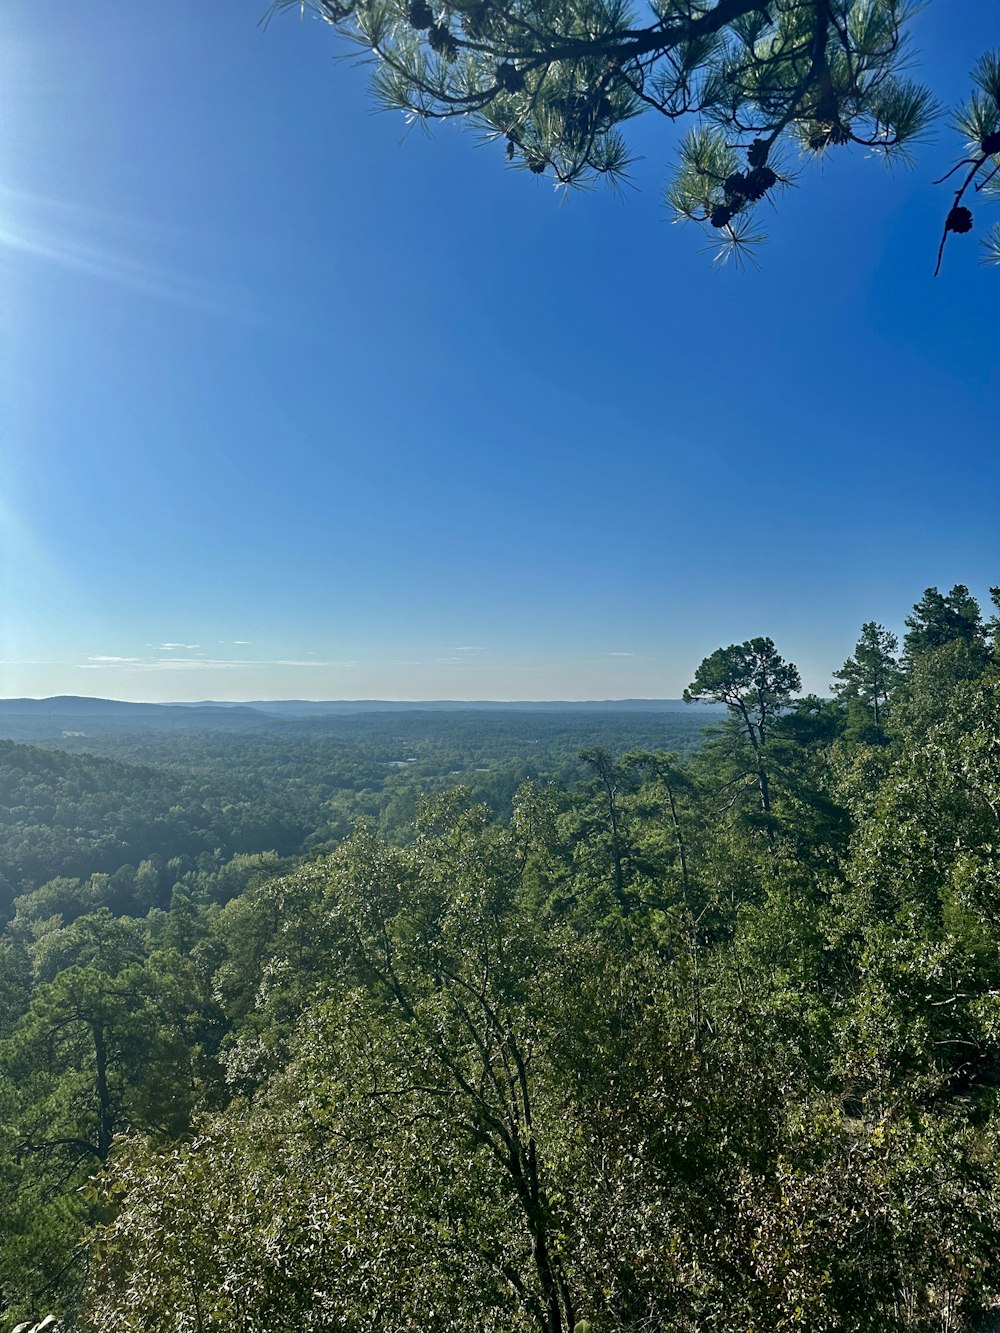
[867, 679]
[768, 87]
[978, 122]
[111, 826]
[756, 684]
[941, 618]
[751, 679]
[641, 1053]
[760, 80]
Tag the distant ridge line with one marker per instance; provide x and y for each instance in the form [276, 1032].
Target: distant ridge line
[452, 705]
[77, 705]
[68, 705]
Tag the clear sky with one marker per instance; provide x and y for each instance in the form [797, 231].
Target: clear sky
[295, 403]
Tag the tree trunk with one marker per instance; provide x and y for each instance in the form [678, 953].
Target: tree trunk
[105, 1114]
[763, 785]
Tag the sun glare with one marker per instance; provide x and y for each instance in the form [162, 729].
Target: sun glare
[98, 244]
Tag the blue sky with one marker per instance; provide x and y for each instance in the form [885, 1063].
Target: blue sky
[297, 403]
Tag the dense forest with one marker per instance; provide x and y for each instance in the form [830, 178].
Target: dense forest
[171, 804]
[483, 1023]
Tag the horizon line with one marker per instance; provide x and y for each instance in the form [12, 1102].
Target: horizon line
[298, 699]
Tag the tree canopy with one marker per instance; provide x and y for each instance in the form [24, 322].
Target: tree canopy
[764, 87]
[867, 678]
[683, 1042]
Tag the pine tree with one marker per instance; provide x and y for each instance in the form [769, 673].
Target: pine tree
[868, 677]
[941, 618]
[761, 81]
[756, 684]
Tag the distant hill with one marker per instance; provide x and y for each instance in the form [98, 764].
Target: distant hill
[75, 705]
[75, 716]
[324, 708]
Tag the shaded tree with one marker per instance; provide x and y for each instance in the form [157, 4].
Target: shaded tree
[609, 776]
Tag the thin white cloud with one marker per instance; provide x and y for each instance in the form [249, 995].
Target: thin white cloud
[197, 663]
[178, 647]
[621, 654]
[468, 648]
[192, 664]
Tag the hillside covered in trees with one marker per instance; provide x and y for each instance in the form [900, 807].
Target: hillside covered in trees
[172, 804]
[619, 1037]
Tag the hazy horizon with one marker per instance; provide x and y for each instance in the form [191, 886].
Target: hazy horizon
[362, 699]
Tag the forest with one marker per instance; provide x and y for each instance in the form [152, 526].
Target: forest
[528, 1024]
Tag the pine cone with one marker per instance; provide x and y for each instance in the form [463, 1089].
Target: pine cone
[420, 14]
[440, 40]
[721, 215]
[757, 153]
[476, 19]
[760, 180]
[991, 143]
[735, 185]
[958, 220]
[509, 77]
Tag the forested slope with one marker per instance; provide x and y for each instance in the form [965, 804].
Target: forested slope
[76, 816]
[180, 793]
[687, 1044]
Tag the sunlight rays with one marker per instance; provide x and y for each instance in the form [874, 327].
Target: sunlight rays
[99, 244]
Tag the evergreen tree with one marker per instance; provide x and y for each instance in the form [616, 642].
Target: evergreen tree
[942, 618]
[868, 677]
[756, 684]
[763, 81]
